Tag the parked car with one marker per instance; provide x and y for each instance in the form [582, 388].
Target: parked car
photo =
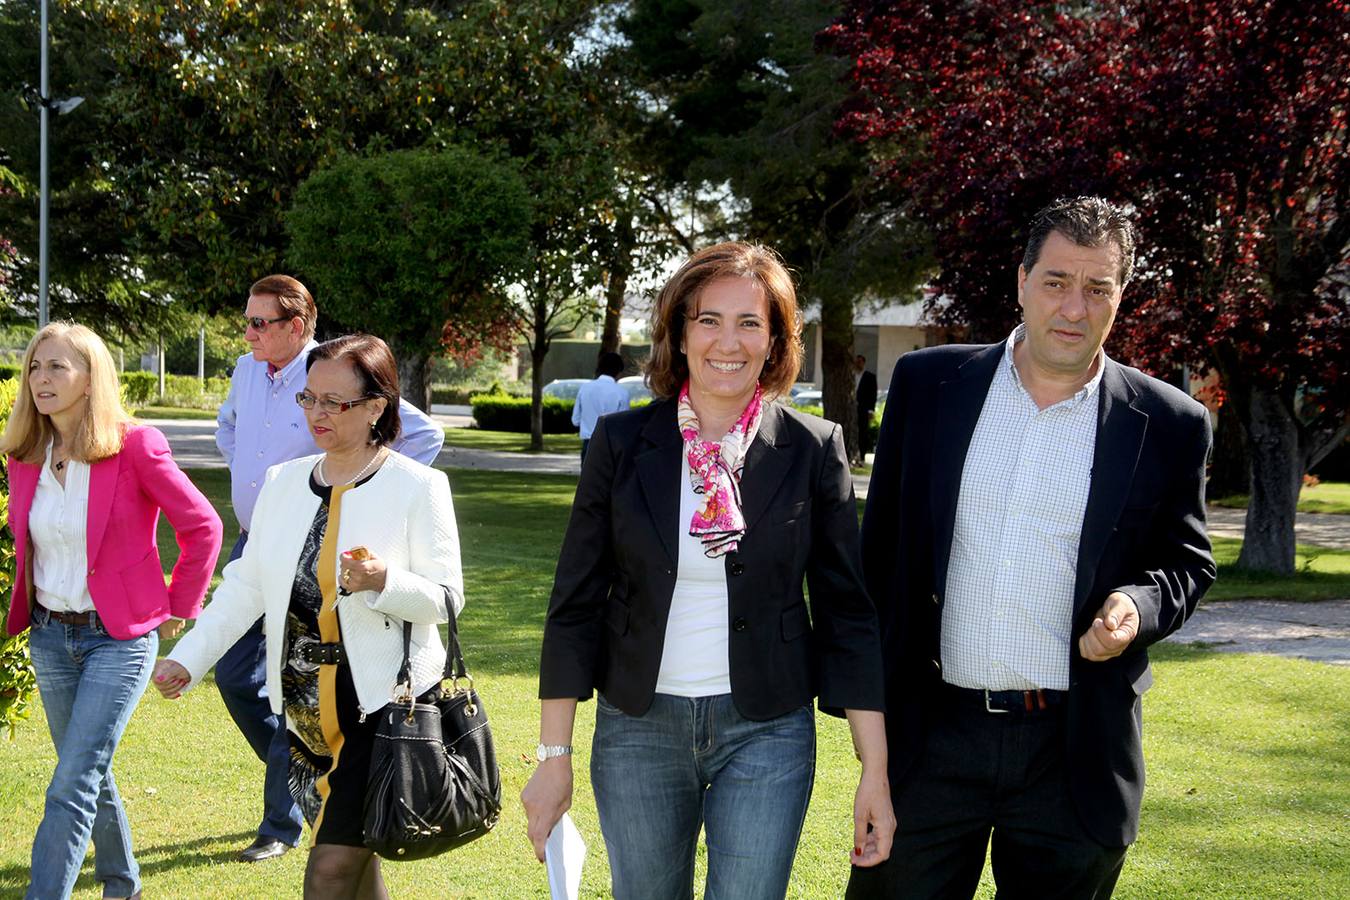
[636, 386]
[808, 397]
[564, 388]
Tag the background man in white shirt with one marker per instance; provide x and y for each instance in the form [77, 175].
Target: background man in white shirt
[1035, 520]
[601, 396]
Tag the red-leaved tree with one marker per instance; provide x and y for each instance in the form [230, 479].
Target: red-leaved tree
[1223, 123]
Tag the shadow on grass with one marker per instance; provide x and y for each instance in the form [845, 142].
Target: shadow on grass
[152, 860]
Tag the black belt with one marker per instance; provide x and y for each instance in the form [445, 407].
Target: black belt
[89, 619]
[1038, 701]
[323, 654]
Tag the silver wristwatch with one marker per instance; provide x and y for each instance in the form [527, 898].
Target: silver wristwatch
[548, 751]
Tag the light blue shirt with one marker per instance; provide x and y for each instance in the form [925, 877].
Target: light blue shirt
[260, 425]
[595, 399]
[1008, 611]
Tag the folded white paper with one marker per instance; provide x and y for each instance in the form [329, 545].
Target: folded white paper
[564, 854]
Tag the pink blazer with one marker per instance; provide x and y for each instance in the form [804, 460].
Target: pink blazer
[126, 578]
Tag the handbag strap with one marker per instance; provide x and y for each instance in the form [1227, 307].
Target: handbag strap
[454, 654]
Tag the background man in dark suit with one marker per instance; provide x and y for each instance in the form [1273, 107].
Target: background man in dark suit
[865, 392]
[1035, 521]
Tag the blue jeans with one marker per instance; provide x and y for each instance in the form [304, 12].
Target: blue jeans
[89, 684]
[241, 678]
[691, 761]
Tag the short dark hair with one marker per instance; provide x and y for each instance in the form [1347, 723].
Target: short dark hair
[1088, 222]
[374, 364]
[610, 364]
[667, 367]
[293, 298]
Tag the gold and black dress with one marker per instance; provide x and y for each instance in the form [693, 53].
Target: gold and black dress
[330, 738]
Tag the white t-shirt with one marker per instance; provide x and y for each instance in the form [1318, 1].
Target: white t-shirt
[694, 660]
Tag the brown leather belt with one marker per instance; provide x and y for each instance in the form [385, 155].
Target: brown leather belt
[74, 618]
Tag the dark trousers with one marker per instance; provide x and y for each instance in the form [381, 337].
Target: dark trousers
[241, 677]
[864, 431]
[983, 774]
[585, 442]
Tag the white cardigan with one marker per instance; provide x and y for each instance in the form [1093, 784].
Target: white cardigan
[403, 515]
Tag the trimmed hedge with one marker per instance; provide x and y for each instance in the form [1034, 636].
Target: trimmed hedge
[499, 412]
[17, 680]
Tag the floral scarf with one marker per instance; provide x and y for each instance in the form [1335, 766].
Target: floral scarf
[715, 472]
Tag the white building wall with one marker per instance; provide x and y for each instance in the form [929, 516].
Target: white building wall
[893, 342]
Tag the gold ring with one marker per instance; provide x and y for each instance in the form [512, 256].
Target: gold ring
[347, 577]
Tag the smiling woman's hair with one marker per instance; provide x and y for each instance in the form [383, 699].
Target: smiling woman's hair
[99, 433]
[373, 363]
[668, 367]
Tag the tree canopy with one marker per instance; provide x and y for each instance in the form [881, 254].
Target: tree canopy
[400, 243]
[1223, 124]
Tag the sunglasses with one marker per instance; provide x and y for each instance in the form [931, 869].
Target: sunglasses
[258, 323]
[306, 400]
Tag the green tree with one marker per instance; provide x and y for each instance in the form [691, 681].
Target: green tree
[97, 274]
[403, 242]
[747, 101]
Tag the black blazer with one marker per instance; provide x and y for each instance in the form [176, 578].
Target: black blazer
[1143, 533]
[616, 573]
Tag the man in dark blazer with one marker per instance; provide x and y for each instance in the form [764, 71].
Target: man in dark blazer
[865, 393]
[1035, 520]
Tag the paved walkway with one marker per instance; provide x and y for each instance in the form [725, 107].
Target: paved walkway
[1316, 631]
[1317, 529]
[194, 447]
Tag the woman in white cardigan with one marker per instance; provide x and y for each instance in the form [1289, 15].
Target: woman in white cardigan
[344, 548]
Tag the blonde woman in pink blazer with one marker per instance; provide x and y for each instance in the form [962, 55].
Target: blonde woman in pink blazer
[87, 486]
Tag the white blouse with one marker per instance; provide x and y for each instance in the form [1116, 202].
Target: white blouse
[695, 661]
[57, 528]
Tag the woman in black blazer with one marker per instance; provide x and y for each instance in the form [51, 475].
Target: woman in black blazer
[678, 595]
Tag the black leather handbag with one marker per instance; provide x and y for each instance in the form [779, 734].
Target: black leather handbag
[434, 782]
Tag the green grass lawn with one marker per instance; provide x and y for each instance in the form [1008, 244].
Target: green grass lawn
[510, 441]
[1323, 574]
[1327, 497]
[1249, 777]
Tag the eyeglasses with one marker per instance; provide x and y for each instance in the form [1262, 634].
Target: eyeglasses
[258, 323]
[306, 400]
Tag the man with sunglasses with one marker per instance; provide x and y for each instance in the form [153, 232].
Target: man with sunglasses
[260, 425]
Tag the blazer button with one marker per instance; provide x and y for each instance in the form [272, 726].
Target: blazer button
[739, 624]
[937, 666]
[936, 601]
[736, 568]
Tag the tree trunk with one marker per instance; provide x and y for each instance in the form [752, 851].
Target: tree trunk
[1230, 471]
[611, 337]
[413, 383]
[1276, 477]
[836, 363]
[621, 266]
[537, 354]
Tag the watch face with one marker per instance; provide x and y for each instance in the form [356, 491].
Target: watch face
[539, 753]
